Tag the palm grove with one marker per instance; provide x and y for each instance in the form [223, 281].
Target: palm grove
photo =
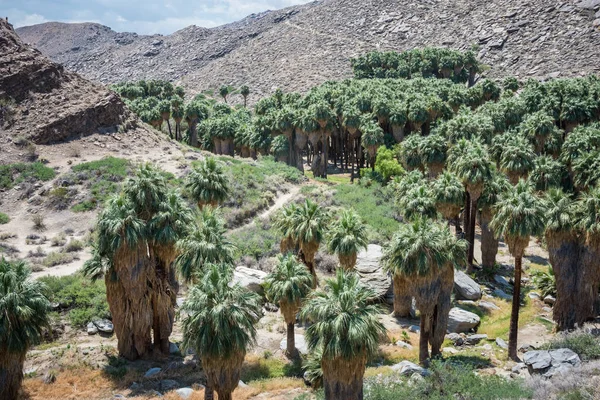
[520, 158]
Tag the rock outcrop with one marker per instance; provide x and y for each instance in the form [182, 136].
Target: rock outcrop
[372, 275]
[460, 320]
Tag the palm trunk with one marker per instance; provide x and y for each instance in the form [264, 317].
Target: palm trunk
[11, 374]
[489, 243]
[472, 219]
[402, 297]
[225, 395]
[291, 340]
[170, 132]
[514, 315]
[442, 311]
[343, 379]
[193, 134]
[466, 215]
[209, 393]
[424, 340]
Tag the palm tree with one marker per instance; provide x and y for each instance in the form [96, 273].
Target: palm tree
[425, 253]
[208, 183]
[288, 285]
[474, 168]
[347, 236]
[449, 194]
[205, 244]
[23, 316]
[419, 201]
[588, 222]
[165, 112]
[195, 111]
[547, 173]
[219, 326]
[245, 92]
[520, 214]
[347, 331]
[517, 158]
[224, 92]
[135, 251]
[308, 230]
[283, 223]
[489, 197]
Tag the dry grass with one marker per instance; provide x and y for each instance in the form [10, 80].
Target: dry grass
[73, 384]
[394, 354]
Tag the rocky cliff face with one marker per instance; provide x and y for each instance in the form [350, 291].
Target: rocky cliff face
[45, 103]
[301, 46]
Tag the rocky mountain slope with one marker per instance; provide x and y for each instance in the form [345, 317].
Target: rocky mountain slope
[300, 46]
[42, 102]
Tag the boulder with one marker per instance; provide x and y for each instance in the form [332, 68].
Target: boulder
[475, 339]
[501, 294]
[251, 279]
[466, 288]
[550, 300]
[414, 329]
[551, 362]
[457, 339]
[501, 343]
[403, 345]
[501, 280]
[301, 345]
[407, 368]
[372, 275]
[534, 296]
[488, 306]
[151, 372]
[104, 325]
[92, 329]
[184, 393]
[462, 321]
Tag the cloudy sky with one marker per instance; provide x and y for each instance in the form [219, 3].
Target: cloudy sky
[141, 16]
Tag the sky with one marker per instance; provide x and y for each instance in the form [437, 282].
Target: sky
[140, 16]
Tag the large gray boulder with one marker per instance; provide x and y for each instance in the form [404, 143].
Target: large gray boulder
[551, 362]
[300, 342]
[251, 279]
[460, 321]
[104, 325]
[372, 275]
[407, 368]
[466, 288]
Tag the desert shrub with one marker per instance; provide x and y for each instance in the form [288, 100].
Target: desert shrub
[7, 235]
[39, 221]
[13, 174]
[386, 164]
[255, 240]
[74, 245]
[83, 299]
[57, 258]
[544, 281]
[581, 342]
[38, 253]
[103, 178]
[4, 219]
[58, 240]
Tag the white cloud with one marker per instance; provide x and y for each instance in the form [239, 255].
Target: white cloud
[28, 19]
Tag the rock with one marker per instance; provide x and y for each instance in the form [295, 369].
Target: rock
[372, 275]
[119, 396]
[465, 287]
[550, 300]
[589, 4]
[537, 360]
[517, 368]
[301, 345]
[534, 296]
[135, 387]
[414, 329]
[524, 348]
[407, 368]
[467, 303]
[168, 384]
[475, 339]
[251, 279]
[185, 393]
[270, 307]
[404, 345]
[550, 363]
[488, 306]
[565, 356]
[501, 343]
[462, 321]
[501, 280]
[173, 348]
[104, 325]
[501, 294]
[457, 339]
[151, 372]
[450, 350]
[242, 384]
[92, 329]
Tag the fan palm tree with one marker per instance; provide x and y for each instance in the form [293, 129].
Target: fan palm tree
[588, 222]
[449, 194]
[346, 237]
[208, 183]
[23, 316]
[288, 285]
[245, 92]
[205, 244]
[519, 215]
[474, 168]
[283, 223]
[219, 326]
[224, 92]
[489, 197]
[347, 331]
[308, 230]
[547, 173]
[517, 158]
[425, 253]
[419, 201]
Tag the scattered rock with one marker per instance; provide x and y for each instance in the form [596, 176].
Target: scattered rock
[550, 300]
[524, 348]
[550, 363]
[404, 345]
[372, 275]
[501, 280]
[589, 4]
[301, 345]
[185, 393]
[242, 384]
[534, 296]
[501, 343]
[270, 307]
[517, 368]
[465, 287]
[450, 350]
[119, 396]
[475, 339]
[92, 329]
[488, 306]
[104, 325]
[407, 368]
[457, 339]
[462, 321]
[151, 372]
[501, 294]
[251, 279]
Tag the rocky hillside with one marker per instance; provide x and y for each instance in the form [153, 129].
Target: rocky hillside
[43, 103]
[305, 45]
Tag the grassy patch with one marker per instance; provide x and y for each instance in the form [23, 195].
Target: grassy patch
[83, 299]
[497, 323]
[583, 343]
[4, 219]
[57, 258]
[257, 240]
[109, 166]
[13, 174]
[260, 368]
[103, 178]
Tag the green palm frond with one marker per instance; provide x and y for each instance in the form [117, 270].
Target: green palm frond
[588, 211]
[560, 211]
[348, 234]
[208, 183]
[448, 191]
[290, 281]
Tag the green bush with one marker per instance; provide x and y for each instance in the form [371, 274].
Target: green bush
[57, 258]
[104, 178]
[256, 241]
[85, 300]
[387, 165]
[544, 281]
[109, 166]
[13, 174]
[4, 219]
[583, 343]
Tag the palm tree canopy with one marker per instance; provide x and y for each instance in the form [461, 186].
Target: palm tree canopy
[208, 183]
[473, 167]
[448, 190]
[290, 281]
[519, 215]
[560, 211]
[419, 201]
[308, 222]
[492, 189]
[588, 211]
[421, 247]
[220, 317]
[23, 307]
[172, 220]
[206, 244]
[347, 235]
[345, 319]
[547, 172]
